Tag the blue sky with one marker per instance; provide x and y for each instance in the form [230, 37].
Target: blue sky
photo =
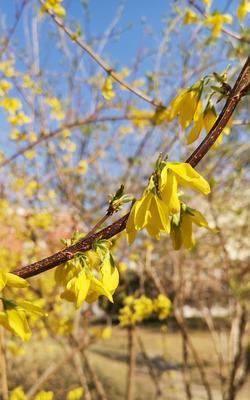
[136, 15]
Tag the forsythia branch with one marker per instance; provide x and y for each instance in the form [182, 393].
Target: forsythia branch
[119, 225]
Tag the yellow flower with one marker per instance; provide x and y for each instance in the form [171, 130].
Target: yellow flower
[9, 279]
[55, 105]
[14, 319]
[149, 212]
[162, 306]
[185, 104]
[44, 395]
[216, 21]
[10, 104]
[174, 173]
[82, 167]
[135, 310]
[6, 67]
[107, 88]
[53, 6]
[190, 17]
[181, 227]
[19, 119]
[78, 277]
[4, 87]
[77, 288]
[18, 394]
[202, 120]
[75, 394]
[243, 9]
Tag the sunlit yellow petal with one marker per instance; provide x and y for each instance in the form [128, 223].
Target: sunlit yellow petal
[188, 177]
[16, 281]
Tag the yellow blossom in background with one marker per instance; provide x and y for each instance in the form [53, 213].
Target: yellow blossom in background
[15, 134]
[140, 118]
[215, 21]
[107, 88]
[190, 17]
[27, 82]
[136, 310]
[32, 137]
[75, 394]
[82, 167]
[19, 119]
[243, 9]
[5, 86]
[56, 109]
[6, 67]
[162, 306]
[53, 6]
[106, 333]
[31, 188]
[14, 349]
[10, 104]
[18, 394]
[30, 154]
[44, 395]
[207, 2]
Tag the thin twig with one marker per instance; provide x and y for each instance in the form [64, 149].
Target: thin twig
[103, 64]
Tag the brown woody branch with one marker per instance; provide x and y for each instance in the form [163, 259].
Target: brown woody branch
[119, 225]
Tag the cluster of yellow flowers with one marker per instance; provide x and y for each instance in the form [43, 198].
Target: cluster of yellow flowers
[157, 208]
[53, 6]
[73, 394]
[11, 105]
[55, 106]
[14, 314]
[136, 310]
[88, 276]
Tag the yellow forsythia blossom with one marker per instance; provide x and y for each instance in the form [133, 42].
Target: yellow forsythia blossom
[162, 306]
[185, 104]
[136, 310]
[19, 119]
[107, 88]
[82, 167]
[6, 67]
[53, 6]
[160, 199]
[202, 120]
[149, 212]
[56, 109]
[10, 104]
[75, 394]
[88, 278]
[215, 21]
[190, 17]
[243, 9]
[4, 87]
[181, 227]
[18, 394]
[13, 316]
